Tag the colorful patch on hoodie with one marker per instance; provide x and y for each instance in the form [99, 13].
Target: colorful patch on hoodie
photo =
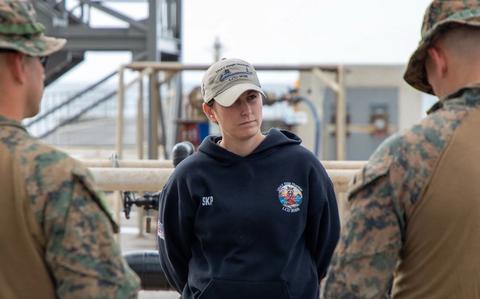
[290, 196]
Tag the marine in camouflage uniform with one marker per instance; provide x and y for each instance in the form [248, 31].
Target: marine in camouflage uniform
[57, 236]
[412, 225]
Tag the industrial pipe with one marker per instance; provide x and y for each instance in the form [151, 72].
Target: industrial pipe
[131, 179]
[128, 163]
[152, 180]
[170, 164]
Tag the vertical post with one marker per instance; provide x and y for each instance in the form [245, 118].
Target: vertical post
[179, 97]
[341, 115]
[82, 13]
[161, 117]
[117, 200]
[89, 14]
[120, 108]
[140, 130]
[140, 133]
[63, 9]
[178, 111]
[141, 222]
[153, 117]
[179, 27]
[153, 24]
[152, 55]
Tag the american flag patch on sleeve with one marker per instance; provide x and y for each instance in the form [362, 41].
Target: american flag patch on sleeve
[160, 231]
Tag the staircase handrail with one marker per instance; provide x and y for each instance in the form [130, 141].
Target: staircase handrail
[85, 110]
[71, 99]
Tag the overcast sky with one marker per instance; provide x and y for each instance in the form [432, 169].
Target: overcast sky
[273, 31]
[285, 32]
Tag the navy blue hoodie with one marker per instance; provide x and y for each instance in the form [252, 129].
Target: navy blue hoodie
[261, 226]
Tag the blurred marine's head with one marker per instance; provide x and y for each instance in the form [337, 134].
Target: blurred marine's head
[20, 31]
[441, 17]
[24, 49]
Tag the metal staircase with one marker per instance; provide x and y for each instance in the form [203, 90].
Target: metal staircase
[71, 108]
[155, 38]
[72, 19]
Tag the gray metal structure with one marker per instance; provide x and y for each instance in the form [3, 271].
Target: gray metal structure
[168, 71]
[156, 38]
[372, 115]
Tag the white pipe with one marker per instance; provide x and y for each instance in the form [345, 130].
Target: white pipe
[152, 180]
[131, 179]
[344, 164]
[128, 163]
[169, 164]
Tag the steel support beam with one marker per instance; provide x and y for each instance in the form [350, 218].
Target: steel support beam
[133, 23]
[177, 66]
[120, 112]
[102, 39]
[154, 98]
[341, 116]
[140, 118]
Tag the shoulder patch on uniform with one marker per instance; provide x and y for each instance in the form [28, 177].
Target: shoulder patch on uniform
[370, 173]
[85, 179]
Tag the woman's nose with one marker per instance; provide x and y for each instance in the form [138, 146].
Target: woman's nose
[245, 108]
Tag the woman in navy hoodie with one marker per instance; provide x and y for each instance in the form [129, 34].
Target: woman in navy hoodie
[249, 215]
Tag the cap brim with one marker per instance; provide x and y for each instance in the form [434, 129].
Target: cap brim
[40, 45]
[229, 96]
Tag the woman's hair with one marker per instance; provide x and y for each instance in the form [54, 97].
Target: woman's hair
[210, 103]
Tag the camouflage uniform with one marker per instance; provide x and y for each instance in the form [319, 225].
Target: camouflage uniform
[384, 197]
[75, 228]
[57, 235]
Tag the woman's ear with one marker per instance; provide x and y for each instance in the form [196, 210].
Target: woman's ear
[208, 110]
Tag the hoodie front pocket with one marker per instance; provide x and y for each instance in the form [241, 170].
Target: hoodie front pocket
[235, 289]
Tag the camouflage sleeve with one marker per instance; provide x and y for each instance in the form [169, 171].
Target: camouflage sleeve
[371, 239]
[81, 252]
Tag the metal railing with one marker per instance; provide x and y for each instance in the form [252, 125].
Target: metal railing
[72, 108]
[75, 106]
[69, 100]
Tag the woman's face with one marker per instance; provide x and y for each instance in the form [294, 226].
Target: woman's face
[242, 120]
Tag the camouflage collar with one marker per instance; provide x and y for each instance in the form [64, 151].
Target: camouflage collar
[459, 93]
[438, 105]
[12, 123]
[467, 96]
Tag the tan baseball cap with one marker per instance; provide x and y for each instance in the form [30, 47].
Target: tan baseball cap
[227, 79]
[20, 31]
[440, 16]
